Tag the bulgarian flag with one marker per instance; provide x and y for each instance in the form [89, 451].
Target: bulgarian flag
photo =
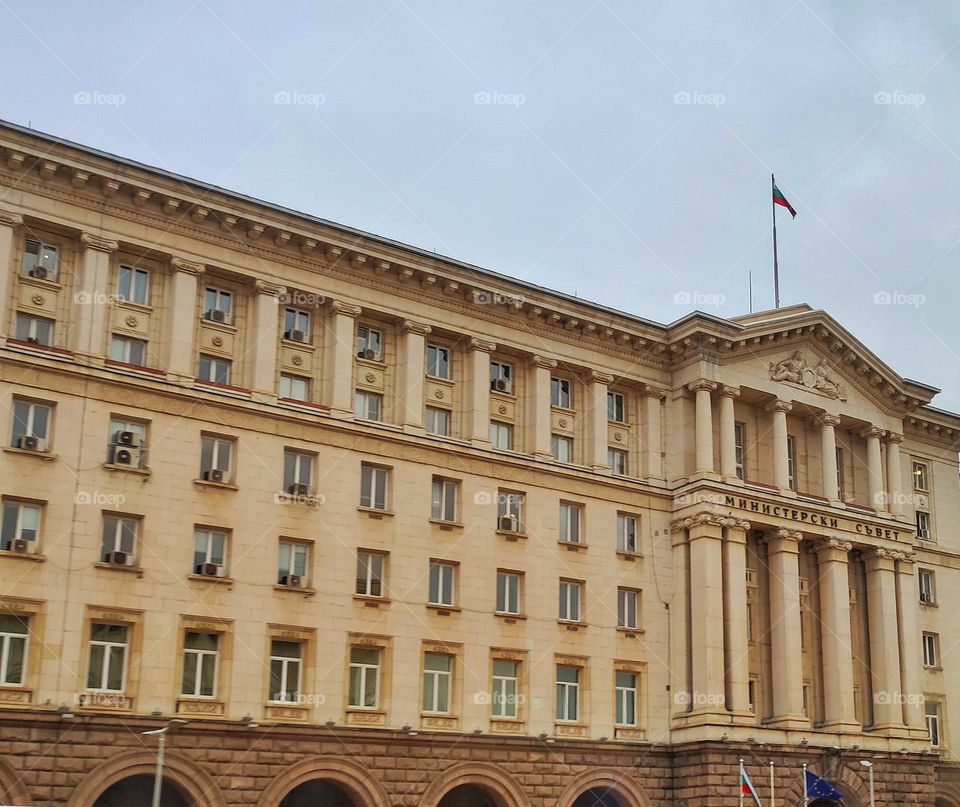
[780, 199]
[747, 788]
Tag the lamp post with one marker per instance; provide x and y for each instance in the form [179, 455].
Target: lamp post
[869, 766]
[161, 747]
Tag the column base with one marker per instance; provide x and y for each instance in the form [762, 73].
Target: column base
[743, 717]
[841, 726]
[263, 396]
[479, 442]
[90, 359]
[732, 480]
[699, 717]
[798, 722]
[413, 428]
[341, 414]
[891, 730]
[540, 455]
[917, 733]
[186, 379]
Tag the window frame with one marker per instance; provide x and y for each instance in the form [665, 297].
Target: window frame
[622, 538]
[561, 447]
[616, 407]
[218, 295]
[135, 273]
[299, 458]
[623, 457]
[363, 401]
[501, 371]
[287, 384]
[442, 576]
[7, 637]
[285, 663]
[202, 656]
[438, 677]
[295, 550]
[120, 522]
[297, 314]
[505, 597]
[561, 392]
[499, 428]
[792, 481]
[570, 600]
[432, 415]
[106, 658]
[53, 272]
[623, 706]
[438, 357]
[371, 472]
[505, 705]
[371, 576]
[924, 533]
[363, 336]
[33, 324]
[218, 441]
[628, 608]
[740, 449]
[209, 553]
[364, 669]
[934, 719]
[928, 592]
[33, 407]
[571, 523]
[930, 643]
[127, 345]
[921, 480]
[564, 689]
[20, 505]
[215, 365]
[446, 507]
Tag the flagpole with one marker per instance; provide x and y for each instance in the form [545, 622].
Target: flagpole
[776, 268]
[806, 798]
[741, 782]
[772, 802]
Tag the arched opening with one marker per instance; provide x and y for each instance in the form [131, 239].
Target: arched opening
[469, 796]
[598, 797]
[318, 791]
[139, 790]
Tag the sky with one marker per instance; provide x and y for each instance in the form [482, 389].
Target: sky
[620, 151]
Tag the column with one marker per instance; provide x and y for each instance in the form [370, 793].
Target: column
[263, 337]
[8, 266]
[910, 659]
[703, 428]
[728, 436]
[90, 308]
[538, 406]
[651, 449]
[783, 555]
[596, 421]
[828, 455]
[836, 639]
[781, 470]
[410, 373]
[894, 490]
[477, 425]
[874, 466]
[340, 344]
[736, 634]
[884, 639]
[181, 319]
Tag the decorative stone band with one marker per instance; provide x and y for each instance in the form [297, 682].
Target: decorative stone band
[346, 309]
[479, 344]
[726, 391]
[826, 419]
[421, 328]
[187, 267]
[702, 384]
[10, 219]
[714, 519]
[543, 362]
[90, 241]
[778, 406]
[270, 289]
[597, 377]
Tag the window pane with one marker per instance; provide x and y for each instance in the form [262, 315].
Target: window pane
[188, 684]
[115, 674]
[95, 671]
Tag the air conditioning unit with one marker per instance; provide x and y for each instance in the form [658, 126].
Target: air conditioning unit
[498, 385]
[292, 581]
[507, 524]
[214, 475]
[39, 271]
[298, 489]
[370, 354]
[215, 315]
[121, 455]
[19, 545]
[30, 443]
[923, 534]
[127, 439]
[209, 569]
[33, 340]
[926, 597]
[116, 558]
[296, 336]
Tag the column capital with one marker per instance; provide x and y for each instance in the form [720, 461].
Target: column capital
[778, 405]
[99, 243]
[906, 558]
[543, 362]
[826, 419]
[702, 384]
[268, 288]
[738, 526]
[831, 544]
[893, 437]
[419, 328]
[649, 391]
[872, 432]
[727, 391]
[10, 219]
[187, 267]
[481, 345]
[706, 517]
[781, 534]
[596, 377]
[346, 309]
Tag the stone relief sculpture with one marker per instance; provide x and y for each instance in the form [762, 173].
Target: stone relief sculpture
[796, 370]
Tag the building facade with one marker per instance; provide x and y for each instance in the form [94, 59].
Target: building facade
[388, 529]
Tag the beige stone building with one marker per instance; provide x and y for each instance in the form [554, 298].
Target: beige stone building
[389, 529]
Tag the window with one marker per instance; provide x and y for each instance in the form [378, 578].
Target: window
[107, 664]
[119, 539]
[370, 566]
[133, 284]
[438, 362]
[740, 448]
[296, 325]
[130, 436]
[30, 420]
[436, 682]
[368, 405]
[626, 698]
[286, 659]
[441, 583]
[931, 711]
[216, 454]
[369, 343]
[568, 692]
[21, 526]
[297, 472]
[501, 435]
[14, 634]
[200, 651]
[508, 592]
[209, 549]
[505, 680]
[752, 695]
[214, 369]
[561, 447]
[34, 329]
[443, 499]
[616, 407]
[218, 305]
[626, 534]
[841, 487]
[921, 477]
[617, 460]
[295, 387]
[628, 608]
[923, 525]
[128, 350]
[438, 421]
[570, 600]
[792, 462]
[40, 259]
[560, 392]
[570, 523]
[373, 487]
[931, 650]
[510, 511]
[292, 567]
[928, 588]
[501, 377]
[365, 677]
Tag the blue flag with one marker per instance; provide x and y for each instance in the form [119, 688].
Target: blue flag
[818, 788]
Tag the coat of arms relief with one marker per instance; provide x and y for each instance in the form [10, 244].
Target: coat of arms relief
[795, 369]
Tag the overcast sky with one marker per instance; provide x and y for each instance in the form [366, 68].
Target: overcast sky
[620, 151]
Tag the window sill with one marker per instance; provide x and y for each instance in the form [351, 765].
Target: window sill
[443, 610]
[629, 556]
[46, 456]
[573, 546]
[929, 605]
[206, 483]
[129, 469]
[510, 535]
[306, 591]
[35, 557]
[570, 625]
[932, 669]
[229, 389]
[308, 345]
[631, 633]
[114, 567]
[41, 282]
[508, 617]
[365, 362]
[370, 601]
[23, 344]
[563, 410]
[199, 707]
[136, 369]
[209, 578]
[375, 512]
[226, 327]
[446, 525]
[15, 695]
[143, 308]
[297, 403]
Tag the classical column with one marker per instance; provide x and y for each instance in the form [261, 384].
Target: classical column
[477, 426]
[783, 560]
[736, 633]
[181, 319]
[263, 338]
[828, 455]
[596, 417]
[884, 639]
[91, 295]
[410, 375]
[910, 658]
[340, 344]
[836, 639]
[703, 424]
[781, 467]
[538, 406]
[728, 433]
[874, 466]
[894, 490]
[9, 267]
[650, 439]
